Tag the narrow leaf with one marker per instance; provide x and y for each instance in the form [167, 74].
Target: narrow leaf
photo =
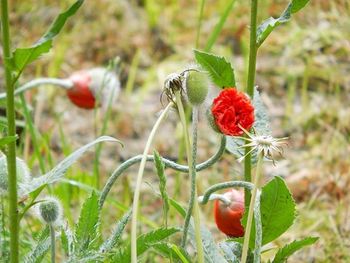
[285, 252]
[116, 235]
[267, 26]
[24, 56]
[59, 170]
[218, 68]
[38, 252]
[162, 184]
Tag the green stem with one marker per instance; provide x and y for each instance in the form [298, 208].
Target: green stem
[191, 159]
[53, 243]
[168, 163]
[32, 132]
[139, 181]
[199, 25]
[11, 154]
[250, 86]
[251, 209]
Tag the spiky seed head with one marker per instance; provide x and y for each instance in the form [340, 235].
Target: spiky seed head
[50, 210]
[197, 86]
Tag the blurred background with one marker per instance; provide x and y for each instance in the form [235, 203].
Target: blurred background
[303, 72]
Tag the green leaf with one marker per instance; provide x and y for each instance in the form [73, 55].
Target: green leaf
[212, 253]
[277, 209]
[162, 183]
[6, 140]
[24, 56]
[116, 235]
[86, 231]
[233, 252]
[67, 238]
[215, 33]
[60, 169]
[218, 68]
[288, 250]
[179, 208]
[38, 252]
[145, 242]
[261, 126]
[171, 251]
[267, 26]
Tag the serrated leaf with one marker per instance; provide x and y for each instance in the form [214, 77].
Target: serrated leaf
[86, 231]
[38, 252]
[212, 253]
[285, 252]
[277, 209]
[145, 242]
[261, 126]
[162, 184]
[116, 235]
[60, 169]
[24, 56]
[218, 68]
[67, 239]
[267, 26]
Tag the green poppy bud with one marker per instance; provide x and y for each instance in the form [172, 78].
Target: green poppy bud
[197, 85]
[22, 170]
[50, 210]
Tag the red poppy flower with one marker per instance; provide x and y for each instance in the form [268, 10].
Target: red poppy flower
[231, 109]
[228, 217]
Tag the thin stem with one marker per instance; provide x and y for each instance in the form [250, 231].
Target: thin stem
[251, 209]
[53, 243]
[253, 48]
[150, 158]
[33, 134]
[63, 83]
[199, 25]
[139, 181]
[191, 160]
[11, 131]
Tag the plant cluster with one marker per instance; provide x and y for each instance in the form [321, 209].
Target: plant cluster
[250, 219]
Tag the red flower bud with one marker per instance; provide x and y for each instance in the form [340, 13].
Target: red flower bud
[88, 84]
[232, 109]
[228, 217]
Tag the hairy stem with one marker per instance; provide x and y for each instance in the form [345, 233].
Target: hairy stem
[191, 160]
[253, 48]
[251, 209]
[11, 131]
[168, 163]
[139, 181]
[53, 243]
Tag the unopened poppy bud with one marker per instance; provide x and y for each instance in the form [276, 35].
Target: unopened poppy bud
[228, 216]
[93, 88]
[211, 120]
[50, 210]
[197, 85]
[22, 171]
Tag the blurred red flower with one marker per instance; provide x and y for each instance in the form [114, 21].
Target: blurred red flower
[231, 109]
[228, 217]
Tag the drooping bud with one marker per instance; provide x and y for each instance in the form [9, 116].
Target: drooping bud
[22, 171]
[93, 88]
[50, 210]
[197, 85]
[228, 216]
